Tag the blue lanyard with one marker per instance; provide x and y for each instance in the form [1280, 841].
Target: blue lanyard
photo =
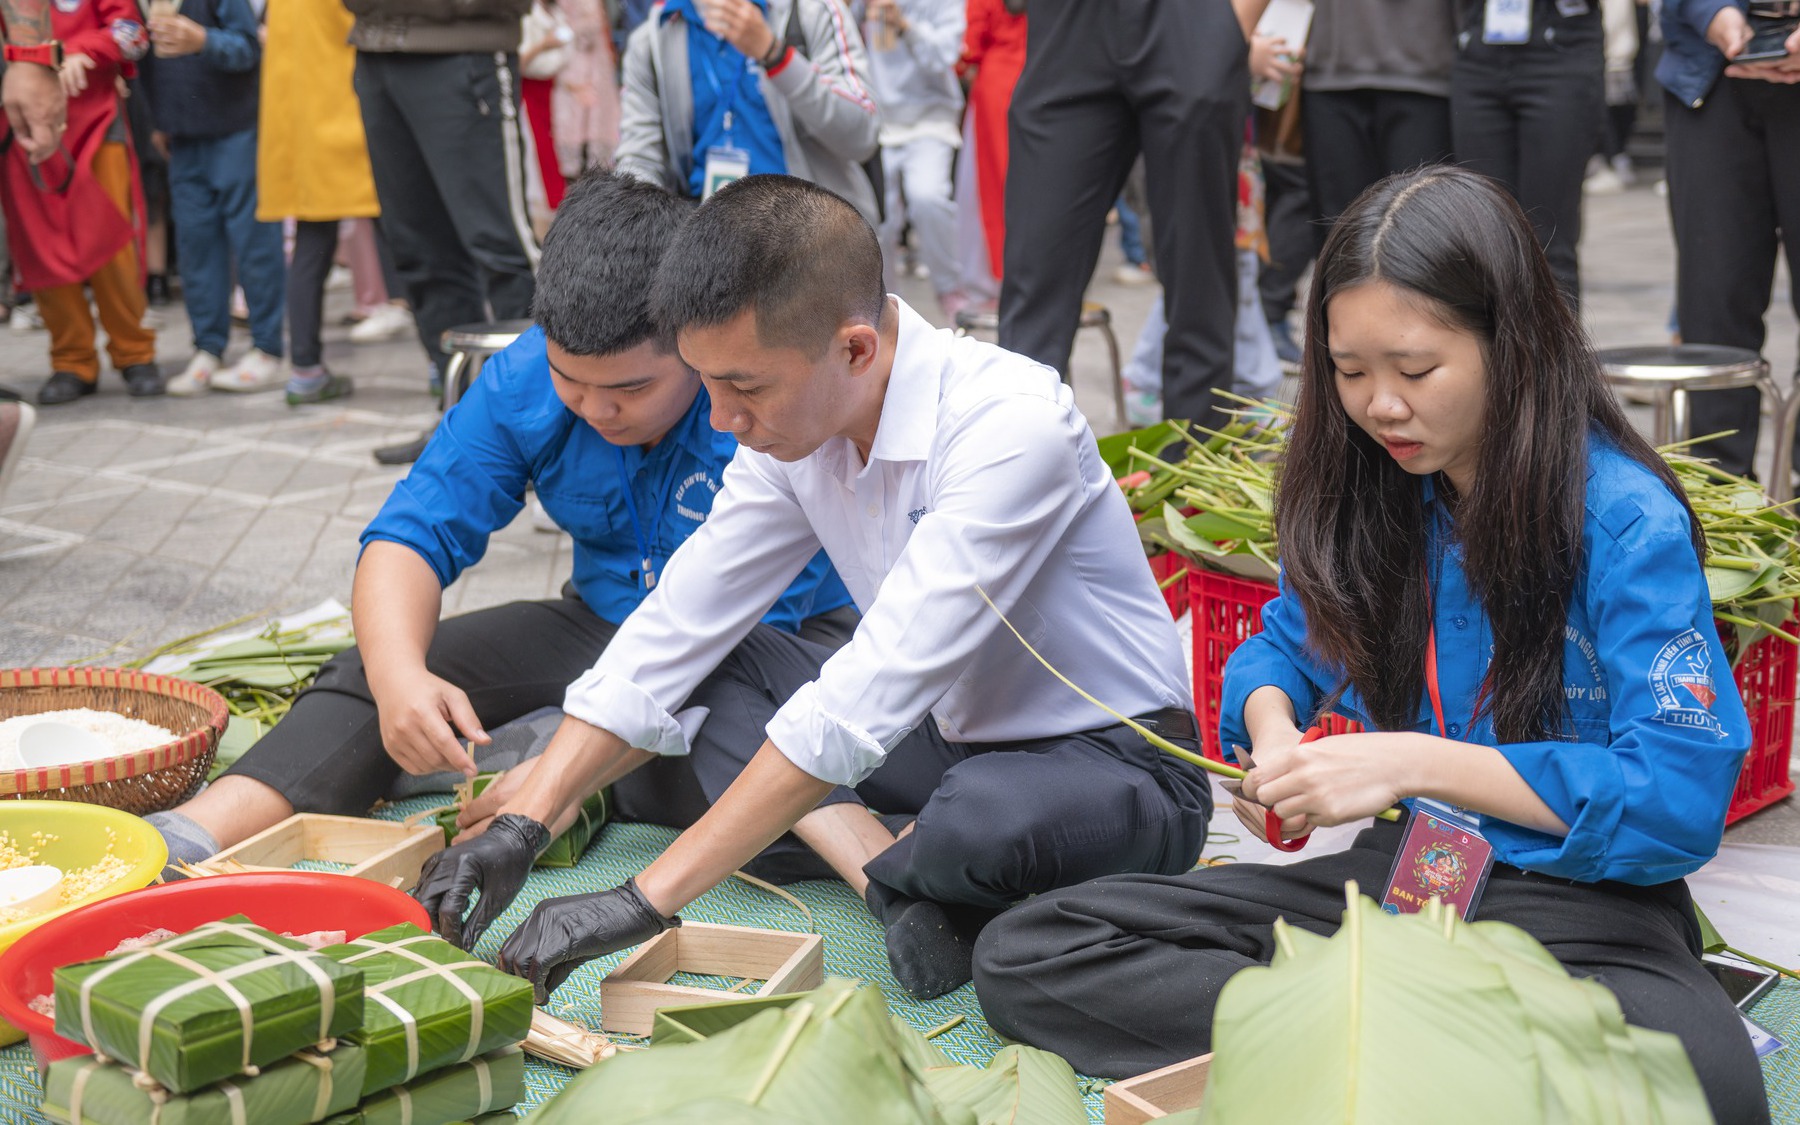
[727, 56]
[646, 541]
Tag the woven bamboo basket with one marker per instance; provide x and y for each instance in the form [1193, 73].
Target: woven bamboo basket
[143, 782]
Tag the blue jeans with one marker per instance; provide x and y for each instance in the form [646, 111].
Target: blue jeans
[1131, 233]
[212, 199]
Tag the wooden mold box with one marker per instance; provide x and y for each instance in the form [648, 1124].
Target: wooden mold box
[1158, 1093]
[631, 994]
[385, 851]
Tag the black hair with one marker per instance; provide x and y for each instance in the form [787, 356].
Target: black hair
[593, 281]
[1352, 522]
[801, 256]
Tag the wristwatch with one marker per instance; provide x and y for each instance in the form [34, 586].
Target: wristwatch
[44, 54]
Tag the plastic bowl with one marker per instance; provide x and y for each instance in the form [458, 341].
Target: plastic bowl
[283, 901]
[80, 840]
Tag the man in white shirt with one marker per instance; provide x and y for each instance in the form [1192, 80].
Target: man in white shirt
[931, 469]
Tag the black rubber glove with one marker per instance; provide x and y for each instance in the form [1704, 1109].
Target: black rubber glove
[565, 933]
[494, 863]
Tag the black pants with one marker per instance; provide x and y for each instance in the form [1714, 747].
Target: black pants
[314, 245]
[1356, 138]
[1289, 211]
[326, 756]
[448, 157]
[1734, 195]
[1529, 115]
[1120, 976]
[1103, 82]
[996, 821]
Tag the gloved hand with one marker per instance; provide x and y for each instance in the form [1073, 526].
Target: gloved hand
[564, 933]
[494, 863]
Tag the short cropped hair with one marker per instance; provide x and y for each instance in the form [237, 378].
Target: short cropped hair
[802, 257]
[593, 280]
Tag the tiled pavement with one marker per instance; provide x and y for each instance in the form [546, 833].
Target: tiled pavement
[131, 523]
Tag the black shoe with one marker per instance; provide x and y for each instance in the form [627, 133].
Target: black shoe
[144, 380]
[156, 290]
[64, 386]
[404, 453]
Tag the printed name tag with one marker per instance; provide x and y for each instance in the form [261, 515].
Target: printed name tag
[723, 165]
[1507, 22]
[1443, 856]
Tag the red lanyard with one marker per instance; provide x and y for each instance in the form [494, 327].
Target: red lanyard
[1431, 673]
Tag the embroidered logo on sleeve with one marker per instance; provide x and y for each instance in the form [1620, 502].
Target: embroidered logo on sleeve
[917, 514]
[1681, 681]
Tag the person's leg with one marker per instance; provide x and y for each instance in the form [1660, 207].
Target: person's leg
[1780, 111]
[71, 326]
[1289, 213]
[1143, 371]
[1072, 138]
[437, 275]
[1256, 369]
[928, 162]
[314, 245]
[1411, 130]
[1560, 94]
[200, 244]
[1722, 203]
[118, 294]
[368, 278]
[1190, 86]
[255, 246]
[326, 755]
[464, 116]
[893, 219]
[1342, 156]
[1484, 129]
[1119, 976]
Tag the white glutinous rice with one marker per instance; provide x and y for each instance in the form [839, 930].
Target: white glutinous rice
[124, 735]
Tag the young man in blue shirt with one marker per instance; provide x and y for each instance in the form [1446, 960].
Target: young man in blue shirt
[595, 410]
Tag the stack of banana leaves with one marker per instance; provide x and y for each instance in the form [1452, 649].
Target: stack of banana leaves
[1210, 498]
[259, 675]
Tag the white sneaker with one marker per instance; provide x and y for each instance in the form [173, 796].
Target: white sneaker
[338, 278]
[26, 318]
[256, 371]
[196, 377]
[1129, 274]
[1603, 181]
[385, 323]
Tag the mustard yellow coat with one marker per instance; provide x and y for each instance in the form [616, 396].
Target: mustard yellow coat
[312, 161]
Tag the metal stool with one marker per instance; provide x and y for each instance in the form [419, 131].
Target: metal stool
[1093, 315]
[1668, 372]
[469, 346]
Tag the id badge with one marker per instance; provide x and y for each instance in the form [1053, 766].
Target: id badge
[1507, 22]
[1569, 9]
[1444, 855]
[723, 165]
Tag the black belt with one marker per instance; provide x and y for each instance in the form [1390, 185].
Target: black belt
[1177, 724]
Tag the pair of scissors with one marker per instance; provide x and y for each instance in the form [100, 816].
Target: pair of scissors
[1271, 822]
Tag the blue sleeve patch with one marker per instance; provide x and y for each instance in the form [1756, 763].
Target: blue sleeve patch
[1681, 682]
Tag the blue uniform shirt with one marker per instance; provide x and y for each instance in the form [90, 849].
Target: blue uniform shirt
[1644, 775]
[725, 81]
[511, 430]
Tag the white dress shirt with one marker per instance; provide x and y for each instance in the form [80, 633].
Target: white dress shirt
[982, 473]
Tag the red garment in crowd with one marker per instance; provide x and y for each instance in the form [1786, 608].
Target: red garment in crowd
[538, 111]
[994, 47]
[63, 225]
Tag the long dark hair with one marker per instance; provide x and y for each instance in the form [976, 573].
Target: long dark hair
[1352, 522]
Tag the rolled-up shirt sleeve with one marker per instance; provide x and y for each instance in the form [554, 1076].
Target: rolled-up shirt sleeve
[1650, 805]
[1007, 486]
[1276, 656]
[712, 592]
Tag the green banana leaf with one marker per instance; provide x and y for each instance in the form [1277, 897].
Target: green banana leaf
[564, 851]
[288, 1092]
[468, 1090]
[241, 733]
[1116, 449]
[1426, 1010]
[1019, 1084]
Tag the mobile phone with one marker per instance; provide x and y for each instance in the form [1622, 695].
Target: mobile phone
[1771, 25]
[1743, 982]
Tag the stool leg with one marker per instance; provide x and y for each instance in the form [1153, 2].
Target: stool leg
[1118, 372]
[453, 378]
[1784, 408]
[1678, 417]
[1659, 416]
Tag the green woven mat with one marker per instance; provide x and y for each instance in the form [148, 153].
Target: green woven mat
[852, 949]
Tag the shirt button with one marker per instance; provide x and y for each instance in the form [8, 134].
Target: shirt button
[1460, 622]
[1455, 730]
[873, 511]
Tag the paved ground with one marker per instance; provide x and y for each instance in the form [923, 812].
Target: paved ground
[131, 523]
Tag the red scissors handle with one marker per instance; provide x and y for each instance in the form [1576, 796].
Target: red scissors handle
[1272, 823]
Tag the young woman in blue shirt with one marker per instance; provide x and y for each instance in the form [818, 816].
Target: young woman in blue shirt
[1490, 569]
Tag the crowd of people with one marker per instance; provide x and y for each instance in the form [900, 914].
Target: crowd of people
[800, 509]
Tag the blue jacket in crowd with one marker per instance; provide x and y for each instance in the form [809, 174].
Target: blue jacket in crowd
[511, 430]
[1690, 65]
[1659, 732]
[212, 93]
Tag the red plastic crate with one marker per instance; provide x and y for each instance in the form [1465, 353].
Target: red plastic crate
[1766, 679]
[1227, 610]
[1166, 566]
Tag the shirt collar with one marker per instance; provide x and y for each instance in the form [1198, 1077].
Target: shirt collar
[910, 407]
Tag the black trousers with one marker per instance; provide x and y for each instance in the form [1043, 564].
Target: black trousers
[1288, 207]
[1356, 138]
[996, 821]
[1734, 195]
[314, 246]
[1102, 83]
[511, 659]
[448, 156]
[1121, 976]
[1529, 115]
